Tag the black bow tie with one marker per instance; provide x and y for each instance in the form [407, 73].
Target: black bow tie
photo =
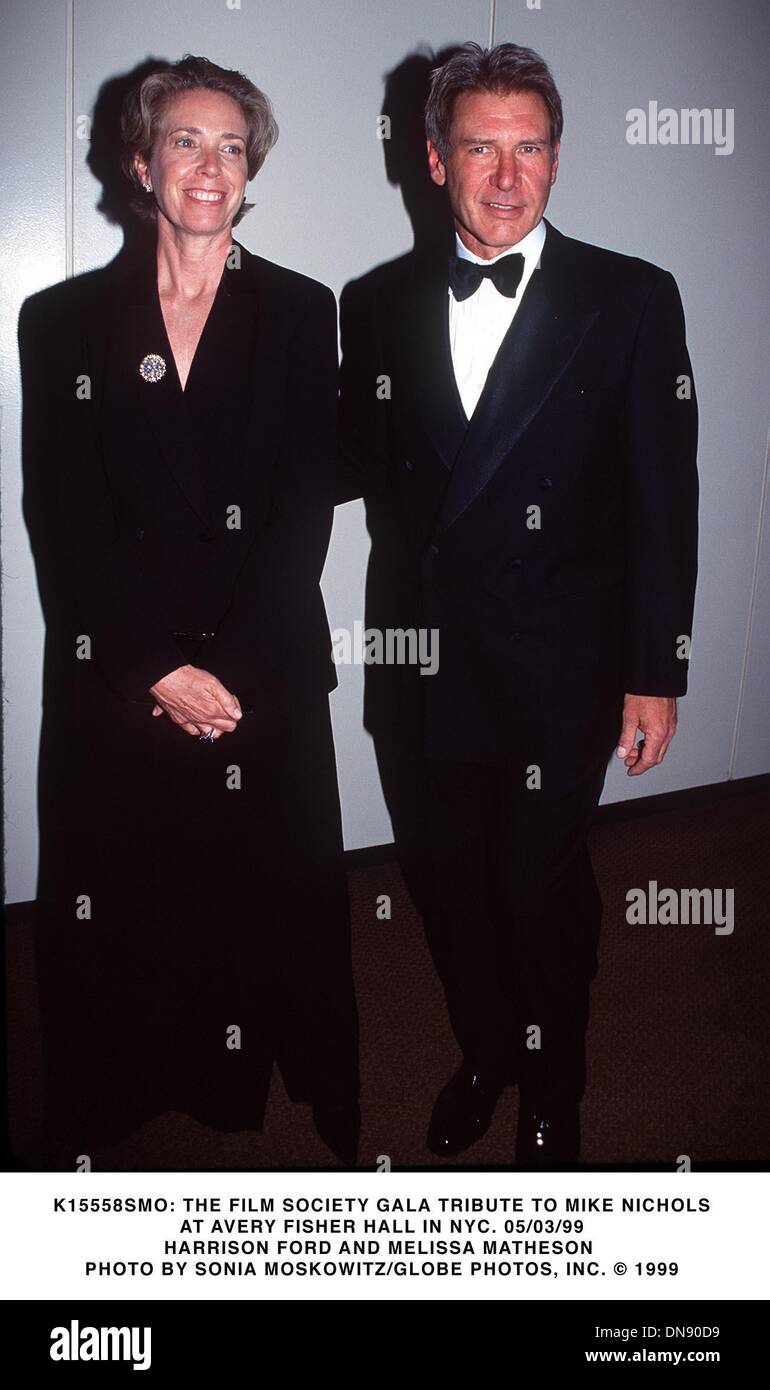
[466, 276]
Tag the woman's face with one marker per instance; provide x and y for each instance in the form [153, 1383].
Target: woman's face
[197, 170]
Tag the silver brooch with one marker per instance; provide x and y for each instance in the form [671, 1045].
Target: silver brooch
[152, 367]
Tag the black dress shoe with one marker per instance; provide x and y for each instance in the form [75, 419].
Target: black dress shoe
[548, 1134]
[463, 1110]
[340, 1127]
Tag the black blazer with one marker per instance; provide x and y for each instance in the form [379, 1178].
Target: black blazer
[129, 485]
[552, 540]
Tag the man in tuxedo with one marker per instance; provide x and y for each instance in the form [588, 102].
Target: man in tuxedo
[521, 419]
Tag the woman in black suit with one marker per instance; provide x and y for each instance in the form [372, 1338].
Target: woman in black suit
[179, 418]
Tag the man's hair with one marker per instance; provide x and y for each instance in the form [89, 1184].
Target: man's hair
[144, 106]
[503, 69]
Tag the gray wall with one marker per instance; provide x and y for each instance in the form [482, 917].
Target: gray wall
[324, 206]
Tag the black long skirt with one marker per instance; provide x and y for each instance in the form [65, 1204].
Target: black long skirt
[192, 920]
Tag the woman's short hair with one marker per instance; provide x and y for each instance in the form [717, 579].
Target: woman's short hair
[144, 106]
[504, 69]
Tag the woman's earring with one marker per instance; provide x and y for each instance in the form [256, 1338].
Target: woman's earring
[147, 188]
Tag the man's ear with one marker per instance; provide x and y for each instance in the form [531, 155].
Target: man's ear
[436, 164]
[555, 165]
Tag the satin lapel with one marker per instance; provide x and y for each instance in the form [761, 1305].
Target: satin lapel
[547, 331]
[427, 354]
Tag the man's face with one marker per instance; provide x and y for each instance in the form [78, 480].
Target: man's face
[499, 168]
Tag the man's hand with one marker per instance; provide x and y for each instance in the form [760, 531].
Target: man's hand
[655, 715]
[196, 701]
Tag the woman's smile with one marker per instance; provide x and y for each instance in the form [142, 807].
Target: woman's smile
[204, 195]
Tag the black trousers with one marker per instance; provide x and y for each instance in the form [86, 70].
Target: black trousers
[512, 912]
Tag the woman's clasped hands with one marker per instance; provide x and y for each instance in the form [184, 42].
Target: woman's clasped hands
[197, 701]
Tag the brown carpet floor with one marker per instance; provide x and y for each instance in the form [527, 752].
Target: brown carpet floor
[679, 1039]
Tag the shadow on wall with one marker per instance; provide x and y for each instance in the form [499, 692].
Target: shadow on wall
[392, 688]
[406, 164]
[104, 152]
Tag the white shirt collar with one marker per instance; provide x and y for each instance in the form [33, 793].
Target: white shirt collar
[530, 247]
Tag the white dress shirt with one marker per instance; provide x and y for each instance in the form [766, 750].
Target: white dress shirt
[477, 325]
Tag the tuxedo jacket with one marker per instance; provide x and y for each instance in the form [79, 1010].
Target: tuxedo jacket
[154, 511]
[551, 541]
